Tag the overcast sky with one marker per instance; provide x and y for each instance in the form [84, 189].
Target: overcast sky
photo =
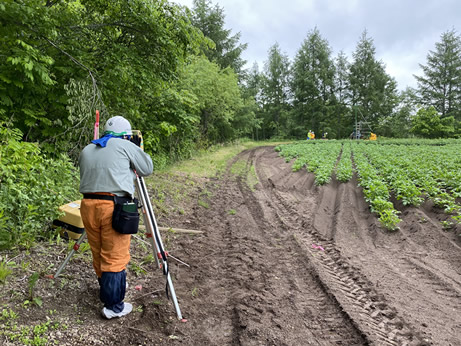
[403, 31]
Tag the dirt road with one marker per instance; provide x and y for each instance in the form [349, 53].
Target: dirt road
[289, 263]
[284, 262]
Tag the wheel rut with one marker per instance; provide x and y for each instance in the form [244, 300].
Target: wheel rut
[281, 300]
[368, 310]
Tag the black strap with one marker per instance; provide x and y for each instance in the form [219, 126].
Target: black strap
[96, 196]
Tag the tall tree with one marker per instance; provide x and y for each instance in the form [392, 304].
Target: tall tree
[440, 86]
[218, 101]
[251, 91]
[400, 122]
[342, 108]
[372, 91]
[121, 54]
[252, 83]
[275, 91]
[227, 50]
[313, 85]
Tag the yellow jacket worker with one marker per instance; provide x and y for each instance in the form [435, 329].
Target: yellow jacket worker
[106, 170]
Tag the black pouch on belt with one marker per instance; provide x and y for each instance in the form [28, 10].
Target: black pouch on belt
[125, 219]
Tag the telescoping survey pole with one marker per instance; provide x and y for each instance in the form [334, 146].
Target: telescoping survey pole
[153, 235]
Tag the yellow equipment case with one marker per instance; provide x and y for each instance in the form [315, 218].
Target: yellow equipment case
[70, 224]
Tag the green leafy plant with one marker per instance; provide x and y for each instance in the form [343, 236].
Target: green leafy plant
[33, 299]
[5, 271]
[203, 204]
[32, 187]
[194, 292]
[137, 268]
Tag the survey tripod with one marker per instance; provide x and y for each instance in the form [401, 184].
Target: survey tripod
[152, 233]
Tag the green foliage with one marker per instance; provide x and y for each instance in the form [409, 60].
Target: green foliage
[25, 335]
[313, 85]
[59, 60]
[408, 170]
[5, 271]
[274, 93]
[318, 157]
[225, 50]
[428, 123]
[344, 169]
[371, 88]
[31, 190]
[440, 86]
[217, 101]
[375, 190]
[398, 123]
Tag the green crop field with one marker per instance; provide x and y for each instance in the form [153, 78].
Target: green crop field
[410, 170]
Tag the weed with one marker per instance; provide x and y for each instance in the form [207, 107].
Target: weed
[26, 335]
[63, 282]
[447, 225]
[137, 269]
[148, 259]
[253, 178]
[32, 283]
[194, 292]
[5, 271]
[83, 251]
[25, 265]
[203, 204]
[232, 212]
[8, 315]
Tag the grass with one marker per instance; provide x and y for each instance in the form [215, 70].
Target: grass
[26, 335]
[173, 184]
[209, 163]
[5, 271]
[252, 178]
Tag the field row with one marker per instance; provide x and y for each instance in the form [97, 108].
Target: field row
[411, 171]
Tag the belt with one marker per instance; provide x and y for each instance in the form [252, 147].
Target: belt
[106, 197]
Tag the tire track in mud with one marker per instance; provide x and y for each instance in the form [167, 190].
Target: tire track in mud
[368, 310]
[276, 295]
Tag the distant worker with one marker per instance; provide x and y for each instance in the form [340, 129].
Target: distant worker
[373, 136]
[355, 135]
[325, 135]
[312, 135]
[309, 135]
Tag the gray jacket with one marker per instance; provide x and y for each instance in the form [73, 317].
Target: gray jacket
[110, 169]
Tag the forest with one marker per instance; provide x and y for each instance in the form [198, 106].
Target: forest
[178, 75]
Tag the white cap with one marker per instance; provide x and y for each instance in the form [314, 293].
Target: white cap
[117, 126]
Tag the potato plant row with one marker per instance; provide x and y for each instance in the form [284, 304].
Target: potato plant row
[318, 157]
[411, 171]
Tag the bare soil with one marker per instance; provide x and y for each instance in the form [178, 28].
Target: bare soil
[281, 262]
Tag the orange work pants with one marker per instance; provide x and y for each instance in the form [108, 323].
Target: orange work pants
[110, 249]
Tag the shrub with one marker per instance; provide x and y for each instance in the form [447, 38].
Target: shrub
[32, 187]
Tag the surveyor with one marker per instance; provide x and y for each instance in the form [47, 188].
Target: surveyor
[106, 175]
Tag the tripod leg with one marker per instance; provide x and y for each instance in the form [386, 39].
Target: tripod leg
[154, 234]
[71, 253]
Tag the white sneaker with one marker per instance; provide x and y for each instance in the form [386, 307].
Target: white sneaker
[107, 313]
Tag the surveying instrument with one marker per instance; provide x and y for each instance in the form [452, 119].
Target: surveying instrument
[152, 230]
